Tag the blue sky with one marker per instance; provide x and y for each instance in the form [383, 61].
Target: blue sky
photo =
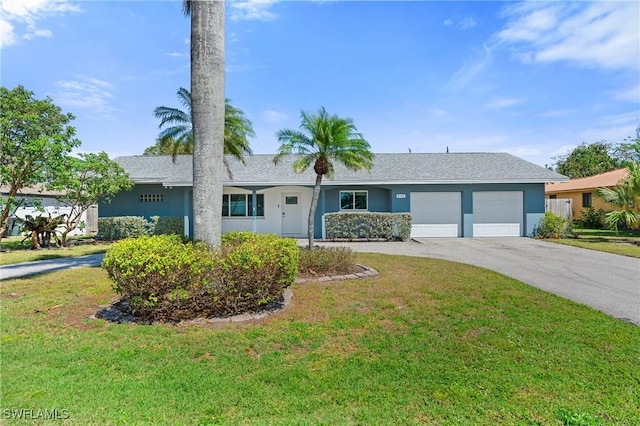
[534, 79]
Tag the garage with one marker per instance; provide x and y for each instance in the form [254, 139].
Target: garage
[436, 214]
[498, 214]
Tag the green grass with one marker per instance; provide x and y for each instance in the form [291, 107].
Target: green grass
[626, 243]
[15, 252]
[426, 342]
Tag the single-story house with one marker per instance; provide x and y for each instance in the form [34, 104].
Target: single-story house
[38, 201]
[448, 194]
[580, 191]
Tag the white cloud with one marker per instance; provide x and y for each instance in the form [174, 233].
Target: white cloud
[467, 23]
[438, 112]
[38, 33]
[175, 54]
[25, 14]
[238, 68]
[85, 92]
[463, 24]
[7, 35]
[629, 94]
[563, 150]
[252, 10]
[627, 119]
[471, 68]
[556, 113]
[503, 103]
[523, 151]
[274, 117]
[595, 34]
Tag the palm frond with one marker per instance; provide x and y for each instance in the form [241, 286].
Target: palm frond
[176, 124]
[630, 218]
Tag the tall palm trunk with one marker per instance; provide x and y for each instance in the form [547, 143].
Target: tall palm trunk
[207, 91]
[312, 209]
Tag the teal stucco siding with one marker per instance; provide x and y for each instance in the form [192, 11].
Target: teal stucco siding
[130, 203]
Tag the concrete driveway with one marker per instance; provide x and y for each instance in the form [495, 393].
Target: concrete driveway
[607, 282]
[31, 268]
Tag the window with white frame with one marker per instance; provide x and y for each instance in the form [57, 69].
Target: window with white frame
[241, 205]
[354, 200]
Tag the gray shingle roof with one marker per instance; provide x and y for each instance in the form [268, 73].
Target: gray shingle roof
[418, 168]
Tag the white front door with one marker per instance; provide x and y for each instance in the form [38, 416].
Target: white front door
[291, 214]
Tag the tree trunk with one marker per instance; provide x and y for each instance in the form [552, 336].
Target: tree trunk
[207, 97]
[63, 237]
[35, 240]
[312, 209]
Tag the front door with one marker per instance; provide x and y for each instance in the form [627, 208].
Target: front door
[291, 214]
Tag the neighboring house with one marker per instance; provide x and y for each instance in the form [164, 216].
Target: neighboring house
[580, 191]
[448, 194]
[37, 201]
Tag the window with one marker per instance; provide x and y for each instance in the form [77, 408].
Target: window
[151, 198]
[586, 199]
[354, 200]
[241, 205]
[553, 197]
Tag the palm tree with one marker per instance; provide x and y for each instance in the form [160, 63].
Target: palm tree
[207, 115]
[625, 196]
[322, 140]
[176, 136]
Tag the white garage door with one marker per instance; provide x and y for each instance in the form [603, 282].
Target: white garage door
[436, 214]
[498, 214]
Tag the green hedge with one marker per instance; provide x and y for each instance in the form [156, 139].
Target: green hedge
[164, 225]
[120, 227]
[164, 279]
[387, 226]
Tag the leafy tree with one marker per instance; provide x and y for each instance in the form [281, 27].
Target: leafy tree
[626, 197]
[89, 178]
[587, 160]
[35, 140]
[323, 140]
[176, 136]
[207, 114]
[629, 151]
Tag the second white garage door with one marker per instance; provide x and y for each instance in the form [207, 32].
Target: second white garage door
[436, 214]
[498, 214]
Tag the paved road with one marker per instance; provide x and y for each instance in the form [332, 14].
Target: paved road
[607, 282]
[31, 268]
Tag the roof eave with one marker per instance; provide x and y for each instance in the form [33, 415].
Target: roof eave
[365, 183]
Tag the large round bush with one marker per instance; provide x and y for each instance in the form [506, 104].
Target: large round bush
[163, 278]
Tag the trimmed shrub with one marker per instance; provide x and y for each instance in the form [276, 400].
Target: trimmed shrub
[326, 261]
[552, 226]
[386, 226]
[120, 227]
[164, 279]
[167, 225]
[255, 268]
[591, 218]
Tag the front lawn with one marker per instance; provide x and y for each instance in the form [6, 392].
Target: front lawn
[13, 251]
[626, 243]
[426, 342]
